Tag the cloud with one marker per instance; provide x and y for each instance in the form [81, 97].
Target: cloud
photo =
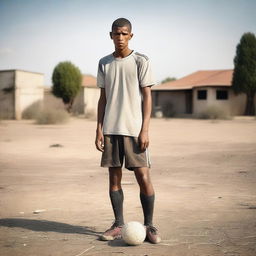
[6, 51]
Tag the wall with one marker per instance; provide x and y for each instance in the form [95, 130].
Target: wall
[91, 97]
[176, 98]
[28, 89]
[7, 110]
[234, 105]
[78, 104]
[86, 101]
[50, 101]
[238, 103]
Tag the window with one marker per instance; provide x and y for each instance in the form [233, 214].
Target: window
[221, 94]
[202, 94]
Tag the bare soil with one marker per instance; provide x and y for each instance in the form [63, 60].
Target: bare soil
[54, 196]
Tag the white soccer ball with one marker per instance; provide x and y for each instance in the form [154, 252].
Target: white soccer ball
[133, 233]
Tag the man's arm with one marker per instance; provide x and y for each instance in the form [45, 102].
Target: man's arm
[99, 141]
[146, 113]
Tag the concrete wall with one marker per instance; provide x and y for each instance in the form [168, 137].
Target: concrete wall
[7, 91]
[91, 97]
[234, 105]
[50, 101]
[86, 101]
[78, 104]
[18, 90]
[176, 98]
[237, 103]
[28, 89]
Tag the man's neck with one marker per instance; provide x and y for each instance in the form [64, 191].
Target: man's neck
[122, 53]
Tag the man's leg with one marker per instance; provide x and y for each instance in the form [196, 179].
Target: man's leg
[147, 197]
[116, 194]
[117, 198]
[147, 194]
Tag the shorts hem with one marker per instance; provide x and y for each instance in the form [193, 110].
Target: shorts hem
[110, 165]
[130, 168]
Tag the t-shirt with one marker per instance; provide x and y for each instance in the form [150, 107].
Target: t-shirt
[122, 79]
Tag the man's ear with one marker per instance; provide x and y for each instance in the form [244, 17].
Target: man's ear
[131, 35]
[111, 35]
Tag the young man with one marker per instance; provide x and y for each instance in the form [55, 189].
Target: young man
[124, 110]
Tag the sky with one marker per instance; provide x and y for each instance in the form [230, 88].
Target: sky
[179, 37]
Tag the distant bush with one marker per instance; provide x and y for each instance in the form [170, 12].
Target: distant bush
[67, 81]
[52, 116]
[167, 109]
[168, 79]
[213, 112]
[90, 114]
[32, 111]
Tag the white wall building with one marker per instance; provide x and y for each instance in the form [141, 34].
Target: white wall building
[86, 101]
[18, 90]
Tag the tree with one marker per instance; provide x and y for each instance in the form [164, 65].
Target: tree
[244, 76]
[66, 79]
[168, 79]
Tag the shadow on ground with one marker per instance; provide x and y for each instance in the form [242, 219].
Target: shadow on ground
[117, 243]
[45, 225]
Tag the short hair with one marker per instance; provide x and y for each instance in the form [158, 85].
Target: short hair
[122, 22]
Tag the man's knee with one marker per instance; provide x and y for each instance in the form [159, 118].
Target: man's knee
[115, 177]
[142, 175]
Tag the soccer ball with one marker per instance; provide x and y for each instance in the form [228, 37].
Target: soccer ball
[133, 233]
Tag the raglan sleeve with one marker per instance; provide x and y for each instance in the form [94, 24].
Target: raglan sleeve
[100, 76]
[146, 76]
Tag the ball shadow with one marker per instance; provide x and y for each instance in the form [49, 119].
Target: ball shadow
[118, 243]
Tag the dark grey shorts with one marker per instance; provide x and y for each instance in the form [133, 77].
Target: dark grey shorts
[118, 148]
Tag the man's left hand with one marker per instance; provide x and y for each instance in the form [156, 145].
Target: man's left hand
[143, 140]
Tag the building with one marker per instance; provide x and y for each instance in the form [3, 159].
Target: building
[18, 90]
[87, 99]
[195, 92]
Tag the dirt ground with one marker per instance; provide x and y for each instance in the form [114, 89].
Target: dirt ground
[204, 174]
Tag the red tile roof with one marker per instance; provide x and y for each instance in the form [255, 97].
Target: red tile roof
[199, 79]
[89, 81]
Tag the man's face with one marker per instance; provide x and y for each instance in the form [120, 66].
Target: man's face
[121, 37]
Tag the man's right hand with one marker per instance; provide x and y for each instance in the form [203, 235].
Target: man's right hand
[99, 141]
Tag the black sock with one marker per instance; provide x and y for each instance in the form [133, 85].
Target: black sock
[117, 198]
[147, 203]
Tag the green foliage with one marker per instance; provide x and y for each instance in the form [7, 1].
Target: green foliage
[244, 76]
[168, 79]
[67, 80]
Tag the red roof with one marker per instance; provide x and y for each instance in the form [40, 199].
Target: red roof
[89, 81]
[199, 79]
